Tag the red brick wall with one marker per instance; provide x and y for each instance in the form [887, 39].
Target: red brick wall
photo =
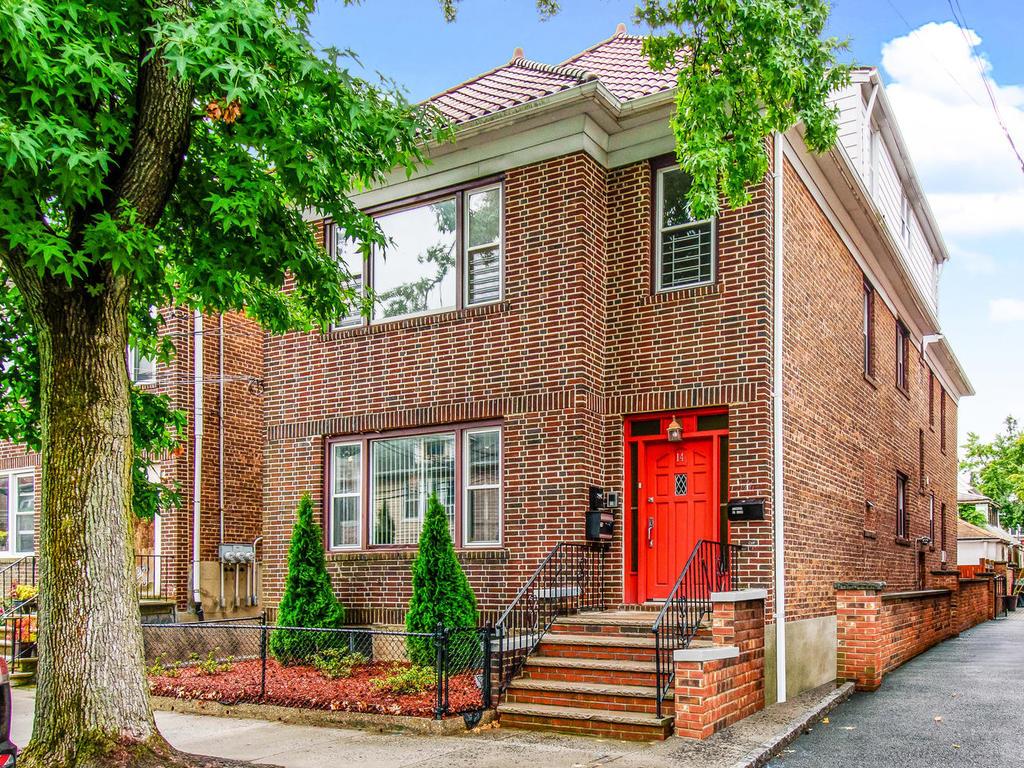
[912, 625]
[975, 604]
[846, 435]
[712, 695]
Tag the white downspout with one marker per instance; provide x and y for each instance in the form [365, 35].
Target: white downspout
[220, 458]
[197, 457]
[778, 507]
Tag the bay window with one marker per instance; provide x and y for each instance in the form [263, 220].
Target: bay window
[462, 465]
[17, 514]
[443, 254]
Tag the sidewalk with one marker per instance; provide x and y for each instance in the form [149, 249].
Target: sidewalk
[293, 746]
[958, 704]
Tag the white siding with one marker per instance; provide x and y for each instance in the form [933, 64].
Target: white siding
[874, 162]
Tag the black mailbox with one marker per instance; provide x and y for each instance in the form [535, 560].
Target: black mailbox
[746, 509]
[596, 495]
[600, 524]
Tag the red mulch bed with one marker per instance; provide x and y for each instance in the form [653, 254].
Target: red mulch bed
[307, 688]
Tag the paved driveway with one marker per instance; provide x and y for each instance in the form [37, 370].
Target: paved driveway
[959, 704]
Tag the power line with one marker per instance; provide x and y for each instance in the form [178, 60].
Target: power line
[961, 22]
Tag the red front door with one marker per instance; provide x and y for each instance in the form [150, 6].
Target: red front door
[678, 508]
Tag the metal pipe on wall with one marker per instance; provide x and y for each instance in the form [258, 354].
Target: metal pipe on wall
[197, 458]
[220, 459]
[778, 504]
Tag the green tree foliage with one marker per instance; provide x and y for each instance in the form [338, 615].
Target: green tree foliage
[996, 469]
[309, 599]
[972, 514]
[748, 68]
[441, 595]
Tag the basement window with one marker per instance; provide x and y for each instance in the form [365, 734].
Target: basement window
[684, 246]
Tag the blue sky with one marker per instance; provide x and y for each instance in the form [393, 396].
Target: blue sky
[963, 159]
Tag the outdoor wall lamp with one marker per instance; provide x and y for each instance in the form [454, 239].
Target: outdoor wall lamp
[675, 431]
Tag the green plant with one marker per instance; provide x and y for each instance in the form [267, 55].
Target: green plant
[158, 669]
[400, 679]
[211, 666]
[336, 663]
[23, 592]
[308, 599]
[441, 595]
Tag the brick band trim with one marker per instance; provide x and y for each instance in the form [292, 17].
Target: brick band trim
[580, 398]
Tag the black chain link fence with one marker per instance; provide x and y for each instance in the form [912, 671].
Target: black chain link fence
[437, 674]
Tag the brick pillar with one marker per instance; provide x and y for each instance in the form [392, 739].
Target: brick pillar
[949, 579]
[859, 632]
[719, 685]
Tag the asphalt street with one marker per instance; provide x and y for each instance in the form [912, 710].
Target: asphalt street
[959, 704]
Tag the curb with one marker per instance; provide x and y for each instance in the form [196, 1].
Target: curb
[760, 756]
[320, 718]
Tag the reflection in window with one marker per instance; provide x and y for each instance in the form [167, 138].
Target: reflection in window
[483, 246]
[685, 247]
[416, 272]
[346, 251]
[141, 369]
[405, 471]
[17, 514]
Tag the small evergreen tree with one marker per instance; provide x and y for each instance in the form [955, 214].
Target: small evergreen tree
[440, 591]
[309, 599]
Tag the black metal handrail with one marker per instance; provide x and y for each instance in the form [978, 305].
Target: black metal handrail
[570, 579]
[708, 569]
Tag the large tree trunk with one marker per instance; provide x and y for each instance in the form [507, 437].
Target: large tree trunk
[92, 704]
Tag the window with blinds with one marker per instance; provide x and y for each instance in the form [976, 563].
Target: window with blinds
[483, 246]
[684, 247]
[404, 472]
[482, 509]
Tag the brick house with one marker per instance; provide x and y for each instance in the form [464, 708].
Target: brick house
[549, 315]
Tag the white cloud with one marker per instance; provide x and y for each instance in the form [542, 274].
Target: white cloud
[1006, 310]
[973, 179]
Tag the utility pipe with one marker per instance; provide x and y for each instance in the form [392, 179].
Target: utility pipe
[197, 456]
[779, 506]
[254, 598]
[220, 460]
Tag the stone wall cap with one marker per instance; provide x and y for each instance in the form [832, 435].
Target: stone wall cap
[875, 585]
[707, 653]
[945, 572]
[739, 595]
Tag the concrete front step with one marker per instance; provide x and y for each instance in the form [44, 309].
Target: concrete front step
[607, 696]
[606, 622]
[587, 670]
[633, 726]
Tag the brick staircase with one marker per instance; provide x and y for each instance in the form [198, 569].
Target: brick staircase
[593, 674]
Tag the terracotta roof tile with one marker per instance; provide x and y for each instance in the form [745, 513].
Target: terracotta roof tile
[617, 62]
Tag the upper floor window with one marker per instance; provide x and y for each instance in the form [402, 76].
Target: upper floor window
[931, 398]
[17, 514]
[684, 247]
[378, 488]
[443, 254]
[902, 355]
[868, 330]
[141, 369]
[902, 519]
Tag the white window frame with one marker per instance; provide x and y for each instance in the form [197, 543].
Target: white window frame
[331, 246]
[12, 512]
[357, 495]
[133, 367]
[466, 488]
[659, 192]
[500, 242]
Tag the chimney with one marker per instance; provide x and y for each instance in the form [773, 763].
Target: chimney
[517, 53]
[620, 29]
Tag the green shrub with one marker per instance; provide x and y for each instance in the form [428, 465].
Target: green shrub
[210, 665]
[336, 663]
[308, 599]
[441, 594]
[400, 680]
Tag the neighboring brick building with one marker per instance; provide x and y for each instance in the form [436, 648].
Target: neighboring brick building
[164, 547]
[548, 311]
